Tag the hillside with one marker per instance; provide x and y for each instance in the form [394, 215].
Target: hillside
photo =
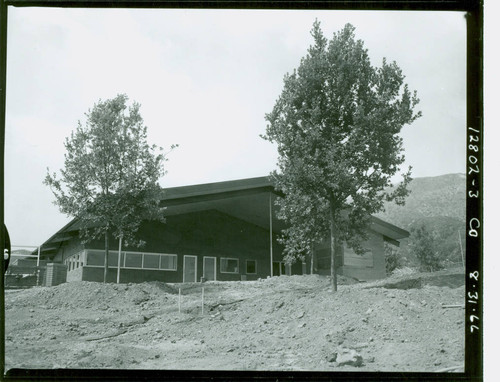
[430, 197]
[439, 204]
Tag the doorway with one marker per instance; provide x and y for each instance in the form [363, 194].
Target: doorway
[278, 268]
[209, 268]
[190, 269]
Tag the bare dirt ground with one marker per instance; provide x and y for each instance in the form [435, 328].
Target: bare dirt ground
[281, 323]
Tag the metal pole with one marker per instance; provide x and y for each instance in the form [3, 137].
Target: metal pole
[271, 231]
[38, 257]
[119, 259]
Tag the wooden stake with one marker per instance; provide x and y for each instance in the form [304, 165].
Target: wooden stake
[179, 299]
[202, 298]
[461, 250]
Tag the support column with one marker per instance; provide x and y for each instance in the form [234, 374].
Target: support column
[271, 231]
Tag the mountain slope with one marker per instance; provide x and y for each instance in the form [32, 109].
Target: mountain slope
[439, 196]
[438, 203]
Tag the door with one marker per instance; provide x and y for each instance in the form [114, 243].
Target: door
[209, 268]
[189, 272]
[278, 268]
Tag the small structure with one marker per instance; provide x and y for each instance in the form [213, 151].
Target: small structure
[216, 231]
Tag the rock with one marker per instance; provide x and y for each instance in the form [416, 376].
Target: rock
[301, 314]
[370, 359]
[361, 345]
[364, 319]
[349, 357]
[369, 311]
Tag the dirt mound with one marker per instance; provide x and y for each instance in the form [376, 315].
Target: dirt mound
[452, 278]
[279, 323]
[90, 295]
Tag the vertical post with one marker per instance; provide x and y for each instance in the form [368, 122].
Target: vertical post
[179, 299]
[461, 250]
[271, 231]
[38, 267]
[119, 259]
[202, 299]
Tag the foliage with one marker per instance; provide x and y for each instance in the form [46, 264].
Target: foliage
[336, 125]
[422, 247]
[393, 259]
[110, 176]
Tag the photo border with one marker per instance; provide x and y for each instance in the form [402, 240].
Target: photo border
[474, 207]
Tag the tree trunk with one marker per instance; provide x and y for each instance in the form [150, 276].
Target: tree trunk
[333, 241]
[106, 251]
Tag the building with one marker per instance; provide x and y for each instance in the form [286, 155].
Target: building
[217, 231]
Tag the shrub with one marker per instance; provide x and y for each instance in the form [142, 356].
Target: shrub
[393, 259]
[423, 248]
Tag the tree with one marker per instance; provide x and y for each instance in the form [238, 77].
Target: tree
[110, 176]
[336, 125]
[423, 248]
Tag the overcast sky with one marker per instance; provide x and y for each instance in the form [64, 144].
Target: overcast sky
[205, 79]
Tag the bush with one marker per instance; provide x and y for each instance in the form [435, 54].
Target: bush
[393, 259]
[423, 248]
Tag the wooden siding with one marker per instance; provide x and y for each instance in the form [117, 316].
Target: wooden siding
[201, 234]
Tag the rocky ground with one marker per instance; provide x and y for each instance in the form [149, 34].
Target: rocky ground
[410, 323]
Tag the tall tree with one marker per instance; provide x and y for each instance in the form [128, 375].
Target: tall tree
[110, 176]
[336, 125]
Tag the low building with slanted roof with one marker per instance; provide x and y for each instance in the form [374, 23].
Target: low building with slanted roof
[216, 231]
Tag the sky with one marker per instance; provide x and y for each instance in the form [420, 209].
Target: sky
[205, 80]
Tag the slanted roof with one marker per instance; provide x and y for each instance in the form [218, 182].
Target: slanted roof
[246, 199]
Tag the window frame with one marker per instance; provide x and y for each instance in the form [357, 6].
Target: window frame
[237, 272]
[123, 260]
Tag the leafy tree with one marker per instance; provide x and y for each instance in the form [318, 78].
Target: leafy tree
[110, 176]
[336, 125]
[423, 248]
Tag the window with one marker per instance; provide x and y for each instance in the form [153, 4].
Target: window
[251, 267]
[229, 265]
[133, 260]
[151, 261]
[168, 262]
[113, 259]
[95, 258]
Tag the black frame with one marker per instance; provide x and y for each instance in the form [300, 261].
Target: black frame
[474, 214]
